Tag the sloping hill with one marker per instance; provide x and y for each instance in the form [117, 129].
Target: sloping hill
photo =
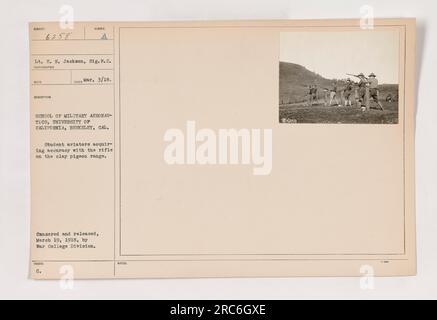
[294, 80]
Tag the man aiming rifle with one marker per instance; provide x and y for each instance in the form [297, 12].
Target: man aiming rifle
[362, 85]
[367, 88]
[374, 91]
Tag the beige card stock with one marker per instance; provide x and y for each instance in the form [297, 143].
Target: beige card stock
[222, 149]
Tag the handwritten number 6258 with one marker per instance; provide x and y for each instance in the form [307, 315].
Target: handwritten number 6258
[58, 36]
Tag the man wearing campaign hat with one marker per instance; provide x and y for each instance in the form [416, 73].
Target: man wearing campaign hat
[373, 89]
[348, 92]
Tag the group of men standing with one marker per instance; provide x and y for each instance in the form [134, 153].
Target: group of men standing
[341, 92]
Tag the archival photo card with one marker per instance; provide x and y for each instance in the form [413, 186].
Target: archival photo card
[162, 149]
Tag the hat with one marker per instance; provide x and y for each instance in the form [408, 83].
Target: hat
[348, 79]
[361, 75]
[372, 75]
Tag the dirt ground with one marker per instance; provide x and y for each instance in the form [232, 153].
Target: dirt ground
[301, 113]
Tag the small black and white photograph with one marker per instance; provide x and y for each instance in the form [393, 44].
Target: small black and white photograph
[339, 77]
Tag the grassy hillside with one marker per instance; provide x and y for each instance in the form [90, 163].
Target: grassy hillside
[294, 80]
[321, 114]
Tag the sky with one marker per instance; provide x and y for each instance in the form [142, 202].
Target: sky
[332, 54]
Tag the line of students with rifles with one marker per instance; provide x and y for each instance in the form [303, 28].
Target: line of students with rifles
[341, 92]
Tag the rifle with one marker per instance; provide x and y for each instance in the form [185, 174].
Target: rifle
[356, 76]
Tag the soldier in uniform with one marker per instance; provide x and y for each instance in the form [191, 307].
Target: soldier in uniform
[314, 94]
[362, 84]
[348, 93]
[373, 89]
[333, 95]
[310, 95]
[326, 96]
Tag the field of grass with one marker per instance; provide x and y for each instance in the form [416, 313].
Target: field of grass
[301, 113]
